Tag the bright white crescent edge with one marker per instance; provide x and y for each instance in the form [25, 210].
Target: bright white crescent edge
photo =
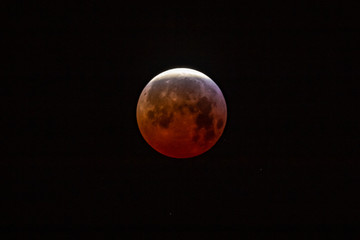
[180, 71]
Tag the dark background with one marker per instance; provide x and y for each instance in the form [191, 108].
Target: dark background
[73, 157]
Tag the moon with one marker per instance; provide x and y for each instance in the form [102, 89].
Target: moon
[181, 113]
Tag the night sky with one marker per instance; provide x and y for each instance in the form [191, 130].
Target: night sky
[73, 158]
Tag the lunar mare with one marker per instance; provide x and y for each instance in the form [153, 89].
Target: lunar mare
[181, 113]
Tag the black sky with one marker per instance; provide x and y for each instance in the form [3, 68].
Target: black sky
[73, 157]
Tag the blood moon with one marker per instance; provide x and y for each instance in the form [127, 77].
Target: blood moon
[181, 113]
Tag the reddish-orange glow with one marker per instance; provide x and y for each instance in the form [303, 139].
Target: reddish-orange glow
[181, 117]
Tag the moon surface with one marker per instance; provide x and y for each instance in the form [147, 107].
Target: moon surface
[181, 113]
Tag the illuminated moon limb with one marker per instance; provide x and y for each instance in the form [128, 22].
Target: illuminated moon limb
[181, 113]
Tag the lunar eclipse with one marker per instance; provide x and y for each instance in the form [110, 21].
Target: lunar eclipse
[181, 113]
